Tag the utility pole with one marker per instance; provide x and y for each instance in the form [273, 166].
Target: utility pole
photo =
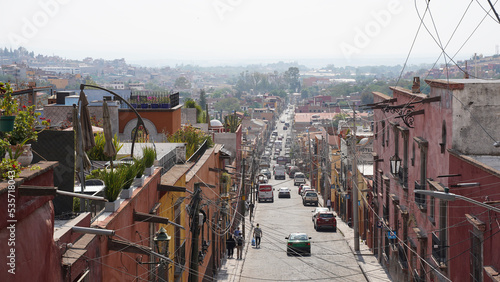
[243, 194]
[355, 185]
[310, 158]
[195, 231]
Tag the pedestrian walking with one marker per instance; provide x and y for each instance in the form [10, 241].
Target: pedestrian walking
[329, 204]
[237, 232]
[239, 246]
[257, 233]
[230, 244]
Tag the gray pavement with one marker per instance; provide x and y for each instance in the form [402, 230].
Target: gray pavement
[373, 271]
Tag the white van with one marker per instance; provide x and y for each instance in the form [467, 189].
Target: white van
[265, 193]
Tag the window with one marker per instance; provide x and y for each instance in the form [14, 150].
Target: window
[388, 134]
[383, 133]
[413, 154]
[476, 264]
[403, 260]
[443, 138]
[432, 203]
[419, 198]
[438, 249]
[404, 164]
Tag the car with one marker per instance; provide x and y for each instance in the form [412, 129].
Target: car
[299, 178]
[262, 179]
[298, 243]
[285, 128]
[266, 172]
[284, 192]
[325, 219]
[306, 189]
[310, 198]
[279, 173]
[292, 170]
[317, 210]
[301, 186]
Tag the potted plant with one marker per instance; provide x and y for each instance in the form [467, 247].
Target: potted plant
[113, 183]
[140, 167]
[26, 125]
[129, 172]
[165, 102]
[96, 153]
[149, 156]
[8, 106]
[154, 102]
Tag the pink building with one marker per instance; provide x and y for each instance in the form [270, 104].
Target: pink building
[440, 141]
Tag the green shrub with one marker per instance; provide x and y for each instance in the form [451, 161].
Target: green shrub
[114, 181]
[97, 152]
[129, 173]
[140, 167]
[149, 156]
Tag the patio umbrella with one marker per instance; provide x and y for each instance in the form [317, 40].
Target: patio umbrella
[109, 147]
[87, 134]
[81, 157]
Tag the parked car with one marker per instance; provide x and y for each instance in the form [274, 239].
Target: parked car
[310, 198]
[284, 192]
[325, 220]
[305, 190]
[266, 172]
[262, 179]
[301, 186]
[318, 210]
[299, 178]
[292, 170]
[298, 243]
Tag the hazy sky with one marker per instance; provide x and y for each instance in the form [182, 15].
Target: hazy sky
[358, 32]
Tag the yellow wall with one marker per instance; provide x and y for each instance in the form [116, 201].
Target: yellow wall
[167, 210]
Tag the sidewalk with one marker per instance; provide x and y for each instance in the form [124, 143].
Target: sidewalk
[231, 267]
[372, 270]
[368, 263]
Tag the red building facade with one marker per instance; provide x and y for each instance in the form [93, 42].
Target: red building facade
[436, 142]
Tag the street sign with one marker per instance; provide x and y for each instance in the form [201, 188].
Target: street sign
[391, 234]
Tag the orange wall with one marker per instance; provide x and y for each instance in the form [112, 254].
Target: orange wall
[165, 120]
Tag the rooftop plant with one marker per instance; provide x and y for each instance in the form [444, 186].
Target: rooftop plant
[149, 156]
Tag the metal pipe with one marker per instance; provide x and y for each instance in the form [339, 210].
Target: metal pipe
[83, 196]
[87, 230]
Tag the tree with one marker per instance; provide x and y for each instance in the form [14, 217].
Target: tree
[292, 77]
[203, 98]
[193, 137]
[182, 83]
[200, 113]
[227, 104]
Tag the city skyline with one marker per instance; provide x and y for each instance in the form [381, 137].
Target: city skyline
[235, 32]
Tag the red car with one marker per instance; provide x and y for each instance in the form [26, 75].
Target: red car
[325, 220]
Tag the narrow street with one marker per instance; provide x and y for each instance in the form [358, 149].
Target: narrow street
[330, 260]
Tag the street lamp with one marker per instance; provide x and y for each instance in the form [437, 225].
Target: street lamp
[395, 164]
[161, 241]
[452, 197]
